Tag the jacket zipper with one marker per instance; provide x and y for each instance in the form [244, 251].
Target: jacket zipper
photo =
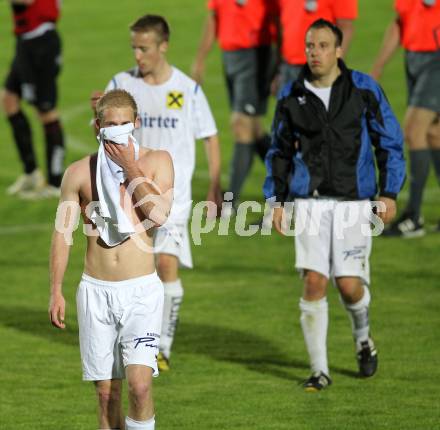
[326, 127]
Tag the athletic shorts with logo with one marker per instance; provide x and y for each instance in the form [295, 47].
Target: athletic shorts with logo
[333, 237]
[119, 325]
[174, 240]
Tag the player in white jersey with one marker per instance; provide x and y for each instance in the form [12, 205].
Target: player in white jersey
[173, 112]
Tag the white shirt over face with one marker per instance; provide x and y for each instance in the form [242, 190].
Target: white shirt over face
[172, 116]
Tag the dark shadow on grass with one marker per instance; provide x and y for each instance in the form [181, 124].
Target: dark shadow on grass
[246, 349]
[241, 268]
[36, 322]
[345, 372]
[220, 343]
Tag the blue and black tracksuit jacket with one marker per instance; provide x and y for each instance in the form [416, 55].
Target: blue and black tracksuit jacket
[333, 153]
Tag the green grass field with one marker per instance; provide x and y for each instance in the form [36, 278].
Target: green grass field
[239, 354]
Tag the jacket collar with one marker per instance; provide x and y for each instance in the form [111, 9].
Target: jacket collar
[305, 73]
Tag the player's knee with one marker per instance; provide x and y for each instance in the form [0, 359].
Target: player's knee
[139, 392]
[351, 289]
[108, 394]
[415, 136]
[10, 102]
[46, 117]
[315, 285]
[434, 135]
[241, 126]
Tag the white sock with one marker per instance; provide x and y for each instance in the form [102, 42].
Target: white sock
[171, 306]
[314, 323]
[358, 313]
[131, 424]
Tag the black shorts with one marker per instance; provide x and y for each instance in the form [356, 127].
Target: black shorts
[248, 74]
[423, 79]
[34, 70]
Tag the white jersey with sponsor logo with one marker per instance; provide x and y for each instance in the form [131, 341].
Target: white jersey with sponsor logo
[172, 115]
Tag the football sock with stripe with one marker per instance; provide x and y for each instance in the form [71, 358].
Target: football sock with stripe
[54, 152]
[22, 133]
[172, 301]
[358, 313]
[314, 323]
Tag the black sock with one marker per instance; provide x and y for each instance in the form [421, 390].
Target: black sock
[54, 152]
[435, 157]
[240, 166]
[23, 140]
[419, 170]
[262, 146]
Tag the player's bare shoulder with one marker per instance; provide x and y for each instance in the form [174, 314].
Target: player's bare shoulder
[152, 162]
[78, 174]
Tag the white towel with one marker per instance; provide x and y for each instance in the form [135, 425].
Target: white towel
[113, 225]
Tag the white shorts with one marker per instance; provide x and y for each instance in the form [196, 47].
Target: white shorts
[174, 242]
[333, 237]
[119, 324]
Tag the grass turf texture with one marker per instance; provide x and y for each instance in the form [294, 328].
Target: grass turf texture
[239, 353]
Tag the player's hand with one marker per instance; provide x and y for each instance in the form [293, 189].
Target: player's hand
[390, 210]
[277, 219]
[215, 196]
[94, 97]
[376, 72]
[122, 155]
[57, 307]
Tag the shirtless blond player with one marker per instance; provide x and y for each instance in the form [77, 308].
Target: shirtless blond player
[120, 297]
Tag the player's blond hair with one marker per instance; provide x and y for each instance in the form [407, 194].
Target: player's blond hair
[115, 99]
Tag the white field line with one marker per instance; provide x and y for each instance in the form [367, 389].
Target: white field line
[24, 228]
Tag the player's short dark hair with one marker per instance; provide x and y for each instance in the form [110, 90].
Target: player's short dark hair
[115, 99]
[155, 23]
[323, 23]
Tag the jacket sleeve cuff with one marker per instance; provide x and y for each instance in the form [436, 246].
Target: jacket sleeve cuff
[388, 195]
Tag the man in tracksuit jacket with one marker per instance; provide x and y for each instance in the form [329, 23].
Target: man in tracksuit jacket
[331, 125]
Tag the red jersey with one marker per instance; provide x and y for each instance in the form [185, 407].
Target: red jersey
[419, 25]
[28, 18]
[296, 19]
[242, 24]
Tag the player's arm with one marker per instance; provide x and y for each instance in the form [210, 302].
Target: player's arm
[66, 220]
[347, 28]
[387, 138]
[212, 148]
[279, 163]
[153, 196]
[345, 13]
[278, 30]
[206, 43]
[390, 44]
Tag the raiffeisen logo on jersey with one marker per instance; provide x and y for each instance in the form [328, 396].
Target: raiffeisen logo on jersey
[160, 121]
[175, 100]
